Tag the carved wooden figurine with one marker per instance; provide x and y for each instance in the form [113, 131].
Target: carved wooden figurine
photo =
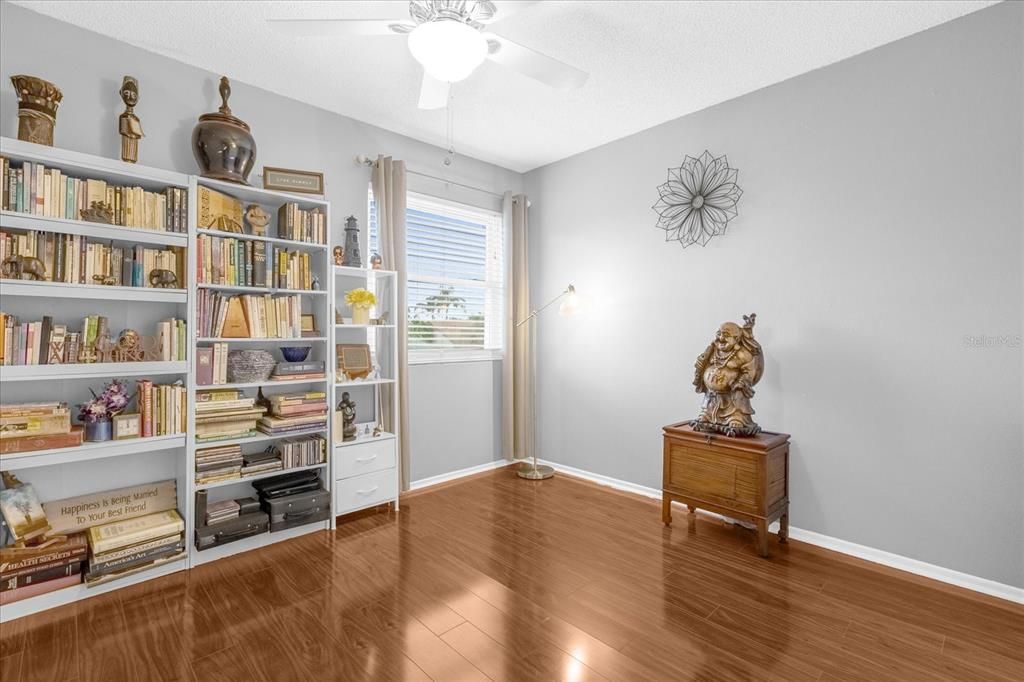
[258, 219]
[128, 124]
[164, 279]
[348, 417]
[726, 373]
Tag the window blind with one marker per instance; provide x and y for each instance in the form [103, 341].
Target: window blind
[455, 256]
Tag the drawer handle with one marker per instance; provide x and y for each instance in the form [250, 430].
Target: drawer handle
[366, 459]
[367, 492]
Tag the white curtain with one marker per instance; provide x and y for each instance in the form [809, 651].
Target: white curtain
[517, 428]
[389, 193]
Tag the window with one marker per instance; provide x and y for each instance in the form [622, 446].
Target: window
[456, 268]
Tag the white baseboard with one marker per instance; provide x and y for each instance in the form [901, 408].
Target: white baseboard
[878, 556]
[452, 475]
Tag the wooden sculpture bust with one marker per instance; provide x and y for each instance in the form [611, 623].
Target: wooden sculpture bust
[726, 373]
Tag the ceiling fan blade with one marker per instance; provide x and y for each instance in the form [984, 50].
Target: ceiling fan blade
[433, 93]
[503, 9]
[547, 70]
[340, 27]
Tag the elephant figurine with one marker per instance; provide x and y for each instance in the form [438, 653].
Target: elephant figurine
[164, 279]
[15, 266]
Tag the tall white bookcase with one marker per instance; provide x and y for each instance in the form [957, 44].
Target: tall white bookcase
[366, 470]
[96, 467]
[316, 302]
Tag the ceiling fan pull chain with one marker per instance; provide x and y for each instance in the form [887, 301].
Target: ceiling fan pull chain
[450, 132]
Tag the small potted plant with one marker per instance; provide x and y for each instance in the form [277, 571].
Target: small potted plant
[98, 413]
[360, 300]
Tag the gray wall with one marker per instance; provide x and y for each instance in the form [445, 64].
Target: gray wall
[88, 68]
[881, 224]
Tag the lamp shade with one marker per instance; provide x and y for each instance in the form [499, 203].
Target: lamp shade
[570, 304]
[449, 50]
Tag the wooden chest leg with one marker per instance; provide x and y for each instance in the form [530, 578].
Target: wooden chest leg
[666, 509]
[784, 526]
[762, 538]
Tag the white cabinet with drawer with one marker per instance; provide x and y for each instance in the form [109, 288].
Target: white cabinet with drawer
[365, 490]
[364, 458]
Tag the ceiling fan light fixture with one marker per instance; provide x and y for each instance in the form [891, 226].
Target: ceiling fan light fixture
[449, 50]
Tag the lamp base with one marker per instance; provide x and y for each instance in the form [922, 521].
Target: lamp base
[533, 472]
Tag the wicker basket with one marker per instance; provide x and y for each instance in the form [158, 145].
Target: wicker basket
[248, 366]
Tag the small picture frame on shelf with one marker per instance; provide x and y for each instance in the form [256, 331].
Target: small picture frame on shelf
[308, 324]
[127, 426]
[353, 360]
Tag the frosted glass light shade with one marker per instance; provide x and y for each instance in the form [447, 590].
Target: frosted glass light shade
[570, 305]
[448, 50]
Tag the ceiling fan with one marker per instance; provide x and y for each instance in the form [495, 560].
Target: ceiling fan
[449, 38]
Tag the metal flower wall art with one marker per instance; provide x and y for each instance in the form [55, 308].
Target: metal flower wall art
[699, 199]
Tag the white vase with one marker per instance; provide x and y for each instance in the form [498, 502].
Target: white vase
[360, 315]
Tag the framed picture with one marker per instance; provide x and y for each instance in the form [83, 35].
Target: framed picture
[308, 322]
[24, 515]
[127, 426]
[287, 180]
[354, 360]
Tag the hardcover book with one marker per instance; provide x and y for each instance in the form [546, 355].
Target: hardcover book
[36, 589]
[71, 439]
[120, 534]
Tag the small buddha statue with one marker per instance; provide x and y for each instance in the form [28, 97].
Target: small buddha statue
[726, 373]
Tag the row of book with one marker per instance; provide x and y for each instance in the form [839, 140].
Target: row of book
[227, 261]
[162, 408]
[74, 259]
[33, 188]
[227, 463]
[249, 316]
[301, 225]
[43, 342]
[289, 413]
[225, 414]
[123, 547]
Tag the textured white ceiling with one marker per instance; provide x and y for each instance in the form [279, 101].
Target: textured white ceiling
[649, 62]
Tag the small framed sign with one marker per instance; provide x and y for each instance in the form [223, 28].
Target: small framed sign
[308, 321]
[287, 180]
[127, 426]
[354, 360]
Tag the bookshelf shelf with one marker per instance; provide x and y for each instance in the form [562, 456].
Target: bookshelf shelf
[298, 340]
[13, 287]
[257, 477]
[254, 542]
[350, 271]
[364, 326]
[135, 235]
[259, 438]
[371, 382]
[261, 290]
[90, 451]
[366, 439]
[96, 370]
[69, 595]
[267, 383]
[276, 241]
[262, 196]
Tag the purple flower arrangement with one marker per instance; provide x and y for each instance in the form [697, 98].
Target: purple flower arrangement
[103, 407]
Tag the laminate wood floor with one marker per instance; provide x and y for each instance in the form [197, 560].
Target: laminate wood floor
[496, 578]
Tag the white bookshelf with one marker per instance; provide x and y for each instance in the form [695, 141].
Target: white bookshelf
[94, 467]
[313, 301]
[366, 470]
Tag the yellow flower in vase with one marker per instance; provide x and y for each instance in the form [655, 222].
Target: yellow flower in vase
[360, 300]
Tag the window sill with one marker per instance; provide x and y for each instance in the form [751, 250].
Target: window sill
[453, 359]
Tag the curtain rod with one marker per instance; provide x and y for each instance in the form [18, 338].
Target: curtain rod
[367, 161]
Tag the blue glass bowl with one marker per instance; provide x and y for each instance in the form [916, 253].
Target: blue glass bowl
[295, 353]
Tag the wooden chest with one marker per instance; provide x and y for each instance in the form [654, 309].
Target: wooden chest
[743, 478]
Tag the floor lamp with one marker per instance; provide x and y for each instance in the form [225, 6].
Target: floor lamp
[532, 470]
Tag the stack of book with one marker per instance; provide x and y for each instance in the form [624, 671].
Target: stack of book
[31, 571]
[162, 408]
[295, 412]
[212, 364]
[225, 414]
[124, 547]
[34, 188]
[262, 462]
[42, 342]
[265, 316]
[221, 463]
[25, 427]
[218, 512]
[290, 371]
[301, 226]
[303, 452]
[231, 262]
[75, 259]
